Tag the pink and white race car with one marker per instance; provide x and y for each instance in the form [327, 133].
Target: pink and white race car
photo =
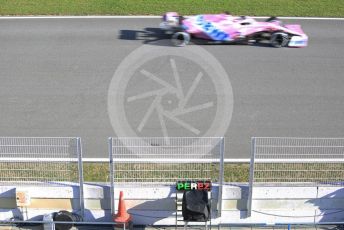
[227, 28]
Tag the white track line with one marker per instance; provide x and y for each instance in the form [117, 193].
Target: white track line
[146, 17]
[96, 160]
[241, 160]
[306, 18]
[166, 160]
[106, 160]
[78, 17]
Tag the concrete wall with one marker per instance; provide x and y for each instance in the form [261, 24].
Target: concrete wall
[157, 205]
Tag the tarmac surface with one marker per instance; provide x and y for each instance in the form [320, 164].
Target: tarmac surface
[55, 75]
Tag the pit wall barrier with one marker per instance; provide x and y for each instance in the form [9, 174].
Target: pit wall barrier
[156, 206]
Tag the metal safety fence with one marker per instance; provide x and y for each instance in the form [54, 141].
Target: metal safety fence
[30, 161]
[284, 226]
[155, 161]
[292, 161]
[52, 225]
[47, 225]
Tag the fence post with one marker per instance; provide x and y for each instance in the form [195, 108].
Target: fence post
[250, 192]
[111, 167]
[81, 176]
[221, 176]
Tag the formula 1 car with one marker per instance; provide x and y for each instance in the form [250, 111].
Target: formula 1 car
[222, 28]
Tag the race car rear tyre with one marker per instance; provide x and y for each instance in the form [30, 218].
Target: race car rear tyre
[279, 39]
[180, 39]
[271, 19]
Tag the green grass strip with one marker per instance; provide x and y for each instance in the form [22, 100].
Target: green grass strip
[99, 172]
[315, 8]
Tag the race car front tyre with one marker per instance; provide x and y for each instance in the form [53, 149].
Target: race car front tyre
[180, 39]
[279, 39]
[271, 19]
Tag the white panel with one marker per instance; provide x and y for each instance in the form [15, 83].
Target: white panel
[331, 192]
[284, 192]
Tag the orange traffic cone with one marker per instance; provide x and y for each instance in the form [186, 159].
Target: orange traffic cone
[122, 216]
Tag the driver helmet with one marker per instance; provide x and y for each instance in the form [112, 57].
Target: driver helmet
[172, 18]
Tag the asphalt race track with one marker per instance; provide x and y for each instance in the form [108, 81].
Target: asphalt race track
[55, 76]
